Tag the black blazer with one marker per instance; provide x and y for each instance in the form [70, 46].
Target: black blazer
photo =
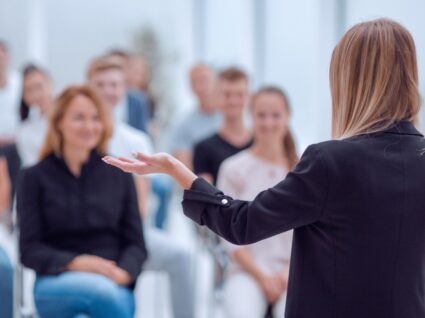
[61, 216]
[357, 207]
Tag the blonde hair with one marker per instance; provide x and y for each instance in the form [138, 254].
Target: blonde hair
[105, 63]
[373, 79]
[53, 142]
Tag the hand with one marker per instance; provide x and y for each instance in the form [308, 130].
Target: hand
[158, 163]
[272, 287]
[143, 164]
[99, 265]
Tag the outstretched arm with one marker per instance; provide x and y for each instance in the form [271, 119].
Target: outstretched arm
[298, 200]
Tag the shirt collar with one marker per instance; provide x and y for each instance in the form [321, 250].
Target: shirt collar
[403, 127]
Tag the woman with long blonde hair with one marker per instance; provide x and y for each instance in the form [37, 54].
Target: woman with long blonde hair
[356, 203]
[81, 235]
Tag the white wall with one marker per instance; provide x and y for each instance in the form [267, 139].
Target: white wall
[298, 41]
[410, 13]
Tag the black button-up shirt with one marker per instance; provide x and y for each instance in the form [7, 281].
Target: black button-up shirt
[62, 216]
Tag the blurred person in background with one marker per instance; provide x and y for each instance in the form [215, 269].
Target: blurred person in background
[202, 121]
[133, 106]
[132, 110]
[37, 100]
[139, 79]
[233, 135]
[258, 273]
[80, 227]
[164, 254]
[10, 90]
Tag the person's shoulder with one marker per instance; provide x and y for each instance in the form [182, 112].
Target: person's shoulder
[237, 161]
[38, 168]
[339, 147]
[136, 96]
[208, 141]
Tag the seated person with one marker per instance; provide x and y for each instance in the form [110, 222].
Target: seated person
[233, 135]
[80, 227]
[258, 273]
[165, 255]
[37, 100]
[201, 122]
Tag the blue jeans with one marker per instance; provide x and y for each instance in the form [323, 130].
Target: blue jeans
[6, 286]
[78, 294]
[162, 186]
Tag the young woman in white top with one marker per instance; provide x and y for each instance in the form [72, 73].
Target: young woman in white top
[258, 273]
[37, 99]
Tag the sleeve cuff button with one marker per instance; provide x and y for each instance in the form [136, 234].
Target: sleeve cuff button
[224, 201]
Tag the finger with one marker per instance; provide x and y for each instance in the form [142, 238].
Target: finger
[118, 163]
[142, 157]
[126, 160]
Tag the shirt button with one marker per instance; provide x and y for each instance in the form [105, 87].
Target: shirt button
[224, 201]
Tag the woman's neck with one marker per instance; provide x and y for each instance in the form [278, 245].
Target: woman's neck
[270, 151]
[75, 158]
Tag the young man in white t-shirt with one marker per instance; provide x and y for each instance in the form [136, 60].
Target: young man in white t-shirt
[106, 76]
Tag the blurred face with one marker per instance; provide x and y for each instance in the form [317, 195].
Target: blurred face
[202, 81]
[110, 85]
[4, 59]
[270, 118]
[232, 97]
[37, 90]
[81, 125]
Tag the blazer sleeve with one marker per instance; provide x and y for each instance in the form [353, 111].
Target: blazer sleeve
[35, 253]
[300, 199]
[134, 251]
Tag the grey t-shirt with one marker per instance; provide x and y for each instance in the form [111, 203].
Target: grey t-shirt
[194, 127]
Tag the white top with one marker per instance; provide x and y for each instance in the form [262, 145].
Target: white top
[10, 96]
[120, 110]
[30, 137]
[126, 140]
[243, 176]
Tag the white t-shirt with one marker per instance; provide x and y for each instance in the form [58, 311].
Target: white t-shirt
[30, 137]
[243, 176]
[9, 105]
[126, 140]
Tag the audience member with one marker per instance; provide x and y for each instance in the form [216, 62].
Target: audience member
[258, 273]
[132, 105]
[139, 79]
[233, 135]
[37, 100]
[9, 97]
[80, 227]
[201, 122]
[164, 254]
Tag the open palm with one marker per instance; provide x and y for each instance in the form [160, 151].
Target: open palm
[142, 164]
